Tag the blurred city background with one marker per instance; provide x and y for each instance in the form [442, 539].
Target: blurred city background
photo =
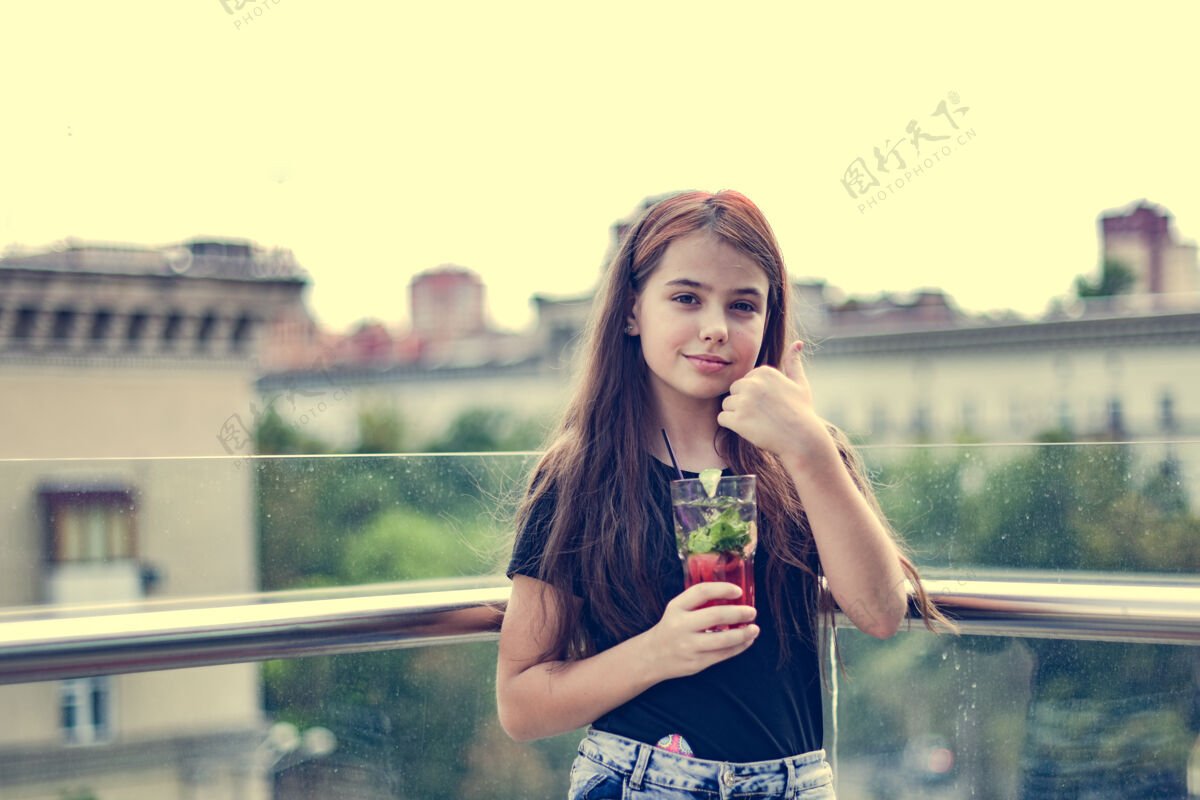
[342, 381]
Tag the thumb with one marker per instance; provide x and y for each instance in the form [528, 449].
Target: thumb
[793, 362]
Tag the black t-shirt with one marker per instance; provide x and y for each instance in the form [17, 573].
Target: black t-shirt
[743, 709]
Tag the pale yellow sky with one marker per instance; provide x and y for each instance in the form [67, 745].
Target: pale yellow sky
[377, 140]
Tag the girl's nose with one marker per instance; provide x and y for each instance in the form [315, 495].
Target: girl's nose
[713, 329]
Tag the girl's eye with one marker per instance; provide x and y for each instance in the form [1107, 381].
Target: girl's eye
[742, 305]
[686, 299]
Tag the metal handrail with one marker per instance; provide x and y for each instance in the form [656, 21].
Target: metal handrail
[1140, 612]
[51, 644]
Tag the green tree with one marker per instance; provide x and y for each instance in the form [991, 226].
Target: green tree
[1104, 717]
[922, 496]
[274, 436]
[407, 721]
[488, 430]
[402, 544]
[380, 430]
[1115, 278]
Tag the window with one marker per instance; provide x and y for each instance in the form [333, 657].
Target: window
[1116, 417]
[26, 323]
[171, 328]
[921, 420]
[101, 321]
[64, 325]
[86, 710]
[241, 332]
[208, 324]
[89, 524]
[137, 326]
[1166, 412]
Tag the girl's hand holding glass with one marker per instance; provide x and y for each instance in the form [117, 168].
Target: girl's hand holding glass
[684, 642]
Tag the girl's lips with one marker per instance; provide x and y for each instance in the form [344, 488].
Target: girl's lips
[708, 363]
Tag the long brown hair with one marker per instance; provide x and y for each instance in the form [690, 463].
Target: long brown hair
[594, 469]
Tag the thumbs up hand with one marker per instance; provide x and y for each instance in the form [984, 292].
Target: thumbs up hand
[773, 409]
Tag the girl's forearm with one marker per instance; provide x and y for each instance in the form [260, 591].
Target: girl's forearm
[858, 556]
[544, 698]
[555, 697]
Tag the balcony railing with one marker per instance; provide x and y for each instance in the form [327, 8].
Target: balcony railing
[53, 644]
[1071, 572]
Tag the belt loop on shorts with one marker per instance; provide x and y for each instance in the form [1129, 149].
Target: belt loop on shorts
[793, 785]
[639, 769]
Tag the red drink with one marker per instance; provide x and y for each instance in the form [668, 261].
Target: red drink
[716, 532]
[728, 567]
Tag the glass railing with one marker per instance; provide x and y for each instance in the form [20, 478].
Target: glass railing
[297, 627]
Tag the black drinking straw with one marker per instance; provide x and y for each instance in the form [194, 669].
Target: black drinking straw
[671, 453]
[687, 516]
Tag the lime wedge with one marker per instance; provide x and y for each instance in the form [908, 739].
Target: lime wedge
[709, 479]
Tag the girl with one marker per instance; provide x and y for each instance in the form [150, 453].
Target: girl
[690, 336]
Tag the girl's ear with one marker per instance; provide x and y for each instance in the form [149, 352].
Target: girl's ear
[631, 323]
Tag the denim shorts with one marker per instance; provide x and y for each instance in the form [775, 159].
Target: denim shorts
[616, 768]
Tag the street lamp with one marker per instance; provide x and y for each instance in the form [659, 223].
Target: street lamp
[285, 746]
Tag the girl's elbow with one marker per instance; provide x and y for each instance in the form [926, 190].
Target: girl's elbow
[517, 722]
[516, 729]
[882, 628]
[523, 727]
[882, 622]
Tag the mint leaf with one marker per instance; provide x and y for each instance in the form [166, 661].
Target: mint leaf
[724, 533]
[728, 531]
[700, 541]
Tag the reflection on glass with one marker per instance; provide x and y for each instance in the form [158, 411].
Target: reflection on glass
[917, 716]
[923, 716]
[1093, 507]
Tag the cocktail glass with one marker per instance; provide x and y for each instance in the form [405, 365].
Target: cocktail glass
[716, 531]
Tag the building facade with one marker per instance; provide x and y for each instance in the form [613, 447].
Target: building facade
[124, 370]
[891, 369]
[447, 302]
[1143, 239]
[1111, 370]
[1128, 376]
